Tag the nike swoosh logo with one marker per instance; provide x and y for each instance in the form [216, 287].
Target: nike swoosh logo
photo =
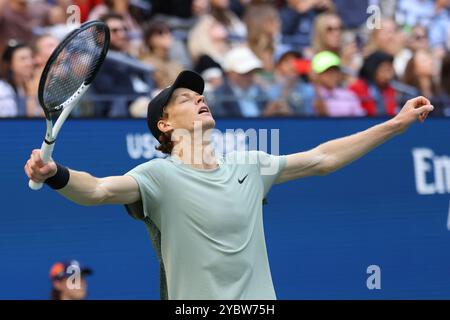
[243, 179]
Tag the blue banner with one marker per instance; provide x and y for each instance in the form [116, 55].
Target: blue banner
[377, 229]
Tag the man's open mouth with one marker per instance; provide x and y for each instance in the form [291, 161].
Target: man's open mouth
[203, 110]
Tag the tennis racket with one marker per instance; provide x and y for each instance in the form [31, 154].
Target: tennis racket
[67, 75]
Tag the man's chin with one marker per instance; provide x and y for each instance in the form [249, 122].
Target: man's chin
[208, 121]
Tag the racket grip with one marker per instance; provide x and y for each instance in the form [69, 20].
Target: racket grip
[46, 154]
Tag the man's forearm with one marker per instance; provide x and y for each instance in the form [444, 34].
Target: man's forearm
[85, 189]
[340, 152]
[82, 188]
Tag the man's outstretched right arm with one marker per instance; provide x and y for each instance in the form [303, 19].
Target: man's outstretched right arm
[84, 188]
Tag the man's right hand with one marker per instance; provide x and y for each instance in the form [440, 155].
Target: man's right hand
[37, 170]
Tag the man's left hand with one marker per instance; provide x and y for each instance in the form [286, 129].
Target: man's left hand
[414, 109]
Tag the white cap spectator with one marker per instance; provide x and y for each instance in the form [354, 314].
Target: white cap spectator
[241, 60]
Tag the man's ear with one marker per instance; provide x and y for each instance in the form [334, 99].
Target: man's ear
[164, 125]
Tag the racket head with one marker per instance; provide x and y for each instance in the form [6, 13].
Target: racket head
[75, 62]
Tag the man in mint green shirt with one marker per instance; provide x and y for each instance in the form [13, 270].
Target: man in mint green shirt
[208, 225]
[204, 211]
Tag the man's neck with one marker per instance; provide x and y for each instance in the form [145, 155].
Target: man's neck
[197, 155]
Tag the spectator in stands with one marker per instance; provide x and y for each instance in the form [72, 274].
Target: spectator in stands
[121, 75]
[410, 13]
[417, 39]
[374, 88]
[159, 41]
[69, 281]
[332, 100]
[439, 30]
[18, 18]
[122, 7]
[291, 94]
[444, 87]
[263, 28]
[328, 36]
[211, 72]
[199, 8]
[239, 96]
[214, 78]
[208, 37]
[182, 16]
[42, 47]
[236, 29]
[59, 23]
[421, 74]
[327, 33]
[297, 20]
[388, 39]
[16, 73]
[118, 32]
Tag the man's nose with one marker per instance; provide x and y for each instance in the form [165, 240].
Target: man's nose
[199, 99]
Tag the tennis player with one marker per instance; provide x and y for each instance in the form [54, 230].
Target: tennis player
[205, 217]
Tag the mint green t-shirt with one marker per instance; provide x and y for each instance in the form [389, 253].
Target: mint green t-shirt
[207, 225]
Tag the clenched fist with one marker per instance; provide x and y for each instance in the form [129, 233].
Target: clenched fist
[37, 170]
[413, 110]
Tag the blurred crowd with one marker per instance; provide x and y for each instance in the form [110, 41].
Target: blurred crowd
[341, 58]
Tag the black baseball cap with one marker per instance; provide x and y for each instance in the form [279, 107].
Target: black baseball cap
[186, 79]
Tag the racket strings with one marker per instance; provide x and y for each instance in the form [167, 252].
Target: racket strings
[73, 66]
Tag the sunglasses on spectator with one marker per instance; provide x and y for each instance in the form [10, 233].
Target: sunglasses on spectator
[161, 32]
[420, 36]
[334, 28]
[116, 30]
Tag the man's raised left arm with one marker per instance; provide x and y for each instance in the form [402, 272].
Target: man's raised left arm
[335, 154]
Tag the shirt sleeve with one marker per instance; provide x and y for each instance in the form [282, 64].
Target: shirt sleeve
[149, 178]
[270, 168]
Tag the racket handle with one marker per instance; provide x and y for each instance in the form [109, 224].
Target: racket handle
[46, 154]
